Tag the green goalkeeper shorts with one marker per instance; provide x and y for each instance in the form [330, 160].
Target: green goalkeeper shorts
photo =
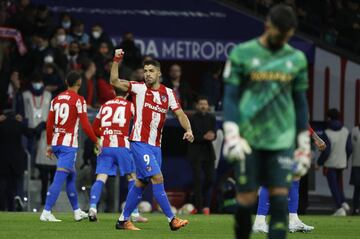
[269, 168]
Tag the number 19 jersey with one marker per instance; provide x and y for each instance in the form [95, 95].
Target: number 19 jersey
[113, 121]
[67, 109]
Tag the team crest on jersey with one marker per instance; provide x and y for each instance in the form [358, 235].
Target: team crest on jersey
[163, 98]
[148, 168]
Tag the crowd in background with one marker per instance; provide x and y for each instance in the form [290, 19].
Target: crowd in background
[335, 22]
[37, 50]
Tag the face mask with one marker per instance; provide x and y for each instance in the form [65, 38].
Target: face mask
[96, 34]
[37, 85]
[49, 59]
[61, 38]
[79, 34]
[66, 25]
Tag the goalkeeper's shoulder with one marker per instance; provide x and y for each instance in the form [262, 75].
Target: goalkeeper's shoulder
[241, 50]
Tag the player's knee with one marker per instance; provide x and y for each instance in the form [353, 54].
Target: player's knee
[140, 183]
[278, 191]
[246, 198]
[102, 177]
[157, 179]
[130, 176]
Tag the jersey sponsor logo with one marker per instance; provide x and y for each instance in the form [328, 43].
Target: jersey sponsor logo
[64, 97]
[108, 131]
[155, 108]
[270, 76]
[163, 98]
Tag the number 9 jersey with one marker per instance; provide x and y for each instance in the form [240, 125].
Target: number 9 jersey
[67, 110]
[112, 123]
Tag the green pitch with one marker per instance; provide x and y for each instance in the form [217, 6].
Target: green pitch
[27, 225]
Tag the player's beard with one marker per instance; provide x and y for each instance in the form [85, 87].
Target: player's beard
[273, 45]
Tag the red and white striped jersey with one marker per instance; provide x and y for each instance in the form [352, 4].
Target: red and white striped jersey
[151, 107]
[66, 111]
[112, 122]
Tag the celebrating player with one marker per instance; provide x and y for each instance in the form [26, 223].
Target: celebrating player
[295, 224]
[112, 124]
[152, 101]
[66, 110]
[265, 110]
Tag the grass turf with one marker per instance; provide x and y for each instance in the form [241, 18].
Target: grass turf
[28, 225]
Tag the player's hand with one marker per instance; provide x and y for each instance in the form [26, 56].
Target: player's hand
[118, 56]
[210, 135]
[97, 147]
[319, 143]
[188, 135]
[302, 154]
[235, 147]
[49, 153]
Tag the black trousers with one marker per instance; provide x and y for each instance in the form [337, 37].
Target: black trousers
[7, 192]
[203, 163]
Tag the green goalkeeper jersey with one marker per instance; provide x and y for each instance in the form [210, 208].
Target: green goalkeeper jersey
[266, 80]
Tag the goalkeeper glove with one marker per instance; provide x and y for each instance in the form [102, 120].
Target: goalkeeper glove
[235, 147]
[302, 154]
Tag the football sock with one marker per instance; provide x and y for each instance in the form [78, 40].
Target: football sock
[278, 221]
[263, 206]
[294, 197]
[71, 191]
[54, 189]
[161, 198]
[131, 184]
[95, 193]
[132, 200]
[243, 221]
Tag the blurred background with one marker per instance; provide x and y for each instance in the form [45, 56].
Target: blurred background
[42, 40]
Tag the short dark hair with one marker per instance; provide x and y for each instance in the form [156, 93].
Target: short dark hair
[283, 17]
[119, 92]
[201, 97]
[333, 114]
[72, 78]
[153, 63]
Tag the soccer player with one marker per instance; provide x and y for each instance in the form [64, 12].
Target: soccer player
[112, 124]
[152, 101]
[66, 111]
[265, 113]
[295, 224]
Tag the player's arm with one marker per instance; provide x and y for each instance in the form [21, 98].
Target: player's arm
[302, 152]
[185, 123]
[82, 113]
[235, 147]
[49, 130]
[114, 73]
[96, 127]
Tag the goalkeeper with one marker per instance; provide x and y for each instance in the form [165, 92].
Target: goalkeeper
[265, 114]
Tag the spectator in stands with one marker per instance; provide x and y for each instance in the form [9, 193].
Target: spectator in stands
[88, 87]
[66, 21]
[211, 86]
[348, 25]
[137, 75]
[97, 37]
[60, 39]
[201, 154]
[105, 90]
[42, 53]
[102, 56]
[180, 87]
[11, 90]
[23, 18]
[334, 158]
[13, 161]
[132, 55]
[44, 20]
[53, 79]
[36, 105]
[74, 57]
[78, 34]
[355, 168]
